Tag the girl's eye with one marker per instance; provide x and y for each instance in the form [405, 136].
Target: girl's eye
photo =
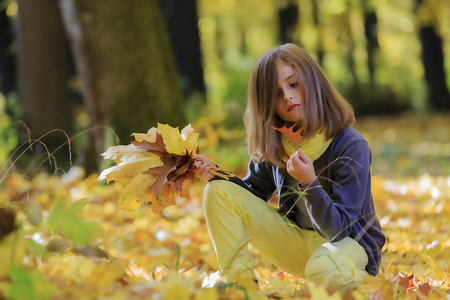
[294, 84]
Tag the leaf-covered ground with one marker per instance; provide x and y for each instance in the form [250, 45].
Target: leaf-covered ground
[63, 237]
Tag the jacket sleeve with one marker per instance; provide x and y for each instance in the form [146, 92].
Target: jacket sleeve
[259, 180]
[333, 214]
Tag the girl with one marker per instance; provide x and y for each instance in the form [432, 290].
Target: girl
[325, 227]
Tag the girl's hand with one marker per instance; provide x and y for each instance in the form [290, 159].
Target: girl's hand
[301, 168]
[203, 166]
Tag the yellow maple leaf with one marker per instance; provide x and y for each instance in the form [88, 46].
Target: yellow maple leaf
[70, 267]
[172, 139]
[177, 287]
[320, 292]
[206, 294]
[150, 136]
[107, 272]
[136, 191]
[437, 270]
[190, 138]
[167, 194]
[129, 205]
[116, 153]
[131, 165]
[178, 143]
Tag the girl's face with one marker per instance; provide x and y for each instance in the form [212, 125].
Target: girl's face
[290, 94]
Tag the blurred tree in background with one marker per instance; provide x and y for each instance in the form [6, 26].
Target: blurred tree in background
[127, 74]
[432, 54]
[181, 20]
[7, 74]
[384, 56]
[43, 74]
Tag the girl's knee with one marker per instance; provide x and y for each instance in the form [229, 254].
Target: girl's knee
[341, 263]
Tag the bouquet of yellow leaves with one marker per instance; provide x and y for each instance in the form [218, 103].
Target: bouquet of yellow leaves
[154, 168]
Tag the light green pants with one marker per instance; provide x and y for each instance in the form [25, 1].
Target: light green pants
[237, 218]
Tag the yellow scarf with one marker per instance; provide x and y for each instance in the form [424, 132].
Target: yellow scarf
[313, 147]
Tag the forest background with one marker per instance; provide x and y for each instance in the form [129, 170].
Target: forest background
[78, 76]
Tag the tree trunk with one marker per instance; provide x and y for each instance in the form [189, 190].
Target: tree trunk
[7, 74]
[43, 74]
[370, 31]
[287, 20]
[433, 62]
[182, 25]
[350, 43]
[316, 12]
[126, 68]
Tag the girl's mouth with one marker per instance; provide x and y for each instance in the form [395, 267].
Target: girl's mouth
[292, 107]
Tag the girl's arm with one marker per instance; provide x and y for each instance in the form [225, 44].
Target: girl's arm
[259, 179]
[348, 199]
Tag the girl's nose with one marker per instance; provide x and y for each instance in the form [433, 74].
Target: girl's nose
[287, 97]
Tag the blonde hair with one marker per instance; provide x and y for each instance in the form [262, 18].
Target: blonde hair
[324, 109]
